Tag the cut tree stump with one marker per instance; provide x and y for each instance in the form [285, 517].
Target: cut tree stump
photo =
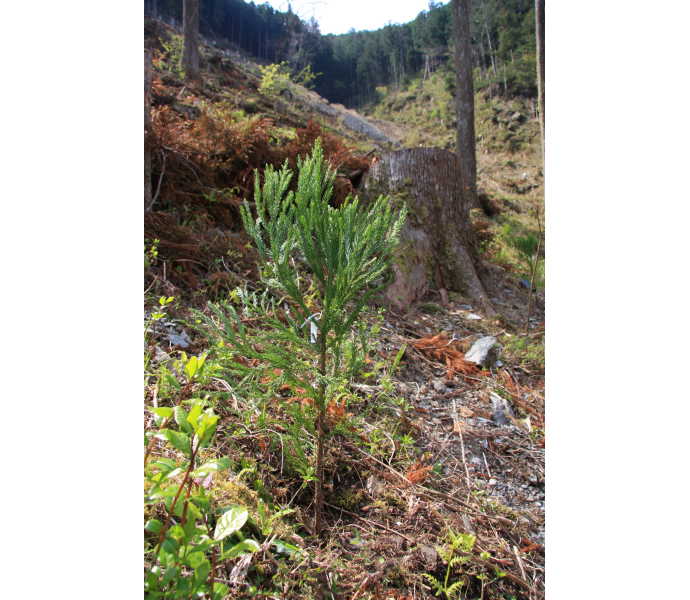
[437, 248]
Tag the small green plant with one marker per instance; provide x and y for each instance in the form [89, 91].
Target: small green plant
[306, 334]
[224, 194]
[150, 253]
[274, 79]
[163, 302]
[157, 315]
[536, 433]
[526, 349]
[172, 52]
[483, 577]
[305, 77]
[183, 548]
[526, 245]
[450, 554]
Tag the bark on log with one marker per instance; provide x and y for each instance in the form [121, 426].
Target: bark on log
[148, 78]
[438, 230]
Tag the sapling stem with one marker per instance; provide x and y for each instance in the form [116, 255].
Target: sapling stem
[321, 427]
[165, 423]
[534, 271]
[190, 468]
[186, 503]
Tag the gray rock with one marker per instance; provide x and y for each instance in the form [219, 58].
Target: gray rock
[359, 124]
[465, 307]
[525, 284]
[430, 555]
[176, 340]
[326, 109]
[474, 317]
[493, 481]
[480, 351]
[501, 408]
[185, 337]
[371, 486]
[162, 357]
[439, 386]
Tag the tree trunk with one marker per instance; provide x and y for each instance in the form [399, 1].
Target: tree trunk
[437, 236]
[189, 60]
[465, 146]
[488, 37]
[147, 128]
[541, 69]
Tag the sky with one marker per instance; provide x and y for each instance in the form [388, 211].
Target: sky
[339, 16]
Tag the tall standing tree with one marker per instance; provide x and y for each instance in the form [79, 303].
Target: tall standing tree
[465, 145]
[189, 60]
[541, 70]
[148, 79]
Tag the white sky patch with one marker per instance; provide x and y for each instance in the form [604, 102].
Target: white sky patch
[339, 16]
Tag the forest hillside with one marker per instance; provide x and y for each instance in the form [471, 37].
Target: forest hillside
[426, 422]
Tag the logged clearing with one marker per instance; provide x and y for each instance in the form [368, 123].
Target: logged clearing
[429, 441]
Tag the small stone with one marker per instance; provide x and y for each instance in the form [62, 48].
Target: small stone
[480, 351]
[430, 555]
[465, 307]
[162, 357]
[439, 386]
[474, 317]
[493, 481]
[176, 340]
[371, 486]
[525, 284]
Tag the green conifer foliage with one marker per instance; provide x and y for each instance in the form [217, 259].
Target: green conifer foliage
[346, 251]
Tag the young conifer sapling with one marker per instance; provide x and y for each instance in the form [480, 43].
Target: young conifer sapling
[344, 250]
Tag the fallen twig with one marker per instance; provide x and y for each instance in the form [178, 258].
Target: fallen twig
[374, 523]
[160, 180]
[502, 520]
[509, 576]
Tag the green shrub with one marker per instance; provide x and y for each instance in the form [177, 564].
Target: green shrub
[345, 251]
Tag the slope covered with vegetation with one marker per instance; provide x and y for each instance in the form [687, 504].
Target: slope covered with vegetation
[426, 487]
[351, 66]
